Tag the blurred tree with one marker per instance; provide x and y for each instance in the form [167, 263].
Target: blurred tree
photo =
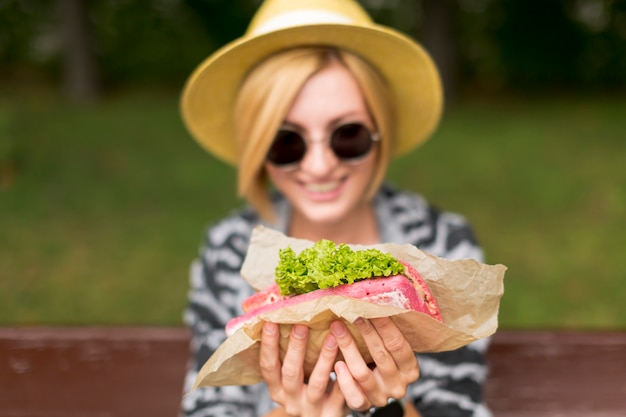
[25, 50]
[224, 20]
[439, 37]
[80, 77]
[603, 59]
[404, 15]
[538, 43]
[478, 60]
[516, 45]
[147, 42]
[432, 23]
[492, 44]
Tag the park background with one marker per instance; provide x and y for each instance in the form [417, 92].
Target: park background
[104, 196]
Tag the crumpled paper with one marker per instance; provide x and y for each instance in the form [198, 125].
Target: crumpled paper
[468, 294]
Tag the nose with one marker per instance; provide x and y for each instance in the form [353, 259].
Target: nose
[319, 160]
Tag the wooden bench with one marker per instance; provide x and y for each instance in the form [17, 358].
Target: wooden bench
[136, 372]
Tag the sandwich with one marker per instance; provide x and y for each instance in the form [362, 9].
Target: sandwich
[437, 304]
[327, 269]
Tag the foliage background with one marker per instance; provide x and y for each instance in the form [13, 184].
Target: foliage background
[103, 196]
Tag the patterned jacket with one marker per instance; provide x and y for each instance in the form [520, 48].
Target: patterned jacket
[450, 383]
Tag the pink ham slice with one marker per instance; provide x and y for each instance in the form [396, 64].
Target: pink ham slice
[408, 291]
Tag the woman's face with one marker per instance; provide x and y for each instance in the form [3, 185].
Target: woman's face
[322, 189]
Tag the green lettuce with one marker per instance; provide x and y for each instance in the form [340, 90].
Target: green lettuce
[326, 265]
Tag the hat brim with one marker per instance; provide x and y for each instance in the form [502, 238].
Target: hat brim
[209, 94]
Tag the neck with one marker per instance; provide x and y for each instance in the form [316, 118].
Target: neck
[359, 228]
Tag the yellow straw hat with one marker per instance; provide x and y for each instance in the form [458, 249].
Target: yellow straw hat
[210, 92]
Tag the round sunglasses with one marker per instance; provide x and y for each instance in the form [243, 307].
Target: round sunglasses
[349, 142]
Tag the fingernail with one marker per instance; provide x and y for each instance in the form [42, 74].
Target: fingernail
[299, 331]
[340, 367]
[330, 342]
[359, 320]
[338, 329]
[269, 328]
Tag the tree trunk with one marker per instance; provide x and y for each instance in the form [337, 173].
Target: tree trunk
[438, 38]
[80, 79]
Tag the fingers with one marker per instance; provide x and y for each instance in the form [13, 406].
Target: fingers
[356, 379]
[292, 369]
[336, 399]
[395, 364]
[376, 344]
[319, 396]
[319, 378]
[390, 349]
[269, 359]
[356, 398]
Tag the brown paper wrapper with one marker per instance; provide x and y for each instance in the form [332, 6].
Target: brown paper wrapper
[468, 294]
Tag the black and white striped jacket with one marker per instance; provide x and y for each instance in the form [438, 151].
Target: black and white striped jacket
[450, 383]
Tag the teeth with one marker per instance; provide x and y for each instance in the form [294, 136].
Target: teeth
[322, 187]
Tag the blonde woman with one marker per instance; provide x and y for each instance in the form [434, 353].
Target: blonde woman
[311, 105]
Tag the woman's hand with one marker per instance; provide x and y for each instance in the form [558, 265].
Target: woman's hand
[395, 365]
[319, 396]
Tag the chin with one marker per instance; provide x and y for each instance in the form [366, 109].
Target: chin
[330, 215]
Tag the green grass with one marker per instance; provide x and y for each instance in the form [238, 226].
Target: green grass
[108, 204]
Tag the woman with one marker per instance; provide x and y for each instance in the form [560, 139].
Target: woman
[315, 100]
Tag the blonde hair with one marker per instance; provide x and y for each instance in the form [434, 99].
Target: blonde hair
[265, 98]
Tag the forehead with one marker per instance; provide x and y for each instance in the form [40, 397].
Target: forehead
[331, 92]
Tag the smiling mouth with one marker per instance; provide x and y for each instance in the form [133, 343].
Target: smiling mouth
[323, 187]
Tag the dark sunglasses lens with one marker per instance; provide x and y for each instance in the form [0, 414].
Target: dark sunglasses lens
[351, 141]
[288, 148]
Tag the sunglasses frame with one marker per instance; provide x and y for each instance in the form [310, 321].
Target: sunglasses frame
[374, 137]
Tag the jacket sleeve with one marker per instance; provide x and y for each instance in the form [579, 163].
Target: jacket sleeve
[451, 383]
[215, 294]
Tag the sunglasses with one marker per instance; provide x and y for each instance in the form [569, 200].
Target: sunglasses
[349, 142]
